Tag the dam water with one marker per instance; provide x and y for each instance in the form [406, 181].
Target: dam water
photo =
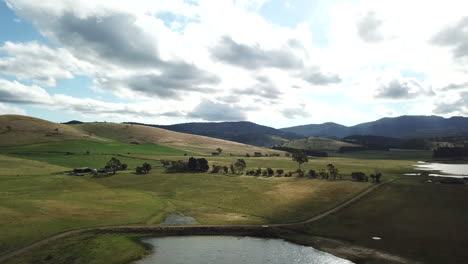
[231, 249]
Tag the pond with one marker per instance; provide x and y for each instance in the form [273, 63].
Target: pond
[446, 170]
[230, 249]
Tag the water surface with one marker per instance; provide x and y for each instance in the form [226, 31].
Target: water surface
[446, 170]
[229, 250]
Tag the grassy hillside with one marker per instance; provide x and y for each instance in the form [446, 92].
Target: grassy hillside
[22, 130]
[317, 143]
[243, 132]
[145, 134]
[18, 130]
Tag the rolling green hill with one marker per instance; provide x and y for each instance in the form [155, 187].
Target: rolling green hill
[21, 130]
[317, 143]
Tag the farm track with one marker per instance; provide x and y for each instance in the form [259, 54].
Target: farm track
[188, 229]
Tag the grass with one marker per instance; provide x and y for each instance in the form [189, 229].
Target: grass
[38, 203]
[33, 207]
[94, 147]
[87, 248]
[317, 143]
[189, 143]
[12, 166]
[393, 154]
[425, 222]
[18, 130]
[415, 219]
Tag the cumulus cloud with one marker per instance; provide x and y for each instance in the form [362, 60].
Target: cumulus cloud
[401, 89]
[176, 77]
[457, 107]
[36, 62]
[6, 109]
[455, 86]
[263, 88]
[315, 77]
[294, 112]
[368, 28]
[115, 37]
[212, 111]
[122, 50]
[253, 57]
[454, 36]
[17, 93]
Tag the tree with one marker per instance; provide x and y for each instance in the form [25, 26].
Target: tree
[146, 167]
[300, 157]
[312, 173]
[332, 171]
[219, 150]
[240, 166]
[139, 170]
[279, 172]
[270, 172]
[233, 170]
[113, 164]
[193, 164]
[203, 165]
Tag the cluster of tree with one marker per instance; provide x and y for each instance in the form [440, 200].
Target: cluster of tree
[361, 177]
[198, 165]
[143, 169]
[330, 174]
[192, 165]
[114, 165]
[236, 168]
[450, 152]
[259, 154]
[308, 152]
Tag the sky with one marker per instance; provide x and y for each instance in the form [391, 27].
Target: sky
[275, 63]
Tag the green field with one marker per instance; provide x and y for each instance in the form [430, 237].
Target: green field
[39, 200]
[317, 143]
[422, 221]
[88, 248]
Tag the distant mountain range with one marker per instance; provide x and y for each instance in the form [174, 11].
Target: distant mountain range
[399, 127]
[258, 135]
[243, 132]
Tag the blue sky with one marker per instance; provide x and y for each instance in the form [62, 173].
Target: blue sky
[277, 63]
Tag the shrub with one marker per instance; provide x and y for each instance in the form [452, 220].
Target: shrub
[258, 172]
[178, 166]
[299, 173]
[312, 174]
[239, 166]
[216, 169]
[279, 172]
[359, 176]
[270, 172]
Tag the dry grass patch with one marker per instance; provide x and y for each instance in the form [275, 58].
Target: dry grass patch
[21, 130]
[190, 143]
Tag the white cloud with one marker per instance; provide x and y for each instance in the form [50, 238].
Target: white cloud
[36, 62]
[17, 93]
[6, 109]
[370, 49]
